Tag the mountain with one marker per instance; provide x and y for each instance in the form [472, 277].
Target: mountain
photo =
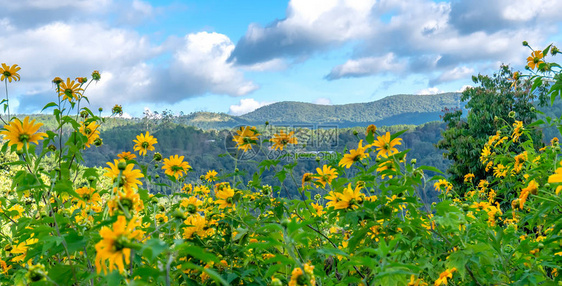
[391, 110]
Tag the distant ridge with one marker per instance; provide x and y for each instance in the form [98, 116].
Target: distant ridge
[396, 109]
[391, 110]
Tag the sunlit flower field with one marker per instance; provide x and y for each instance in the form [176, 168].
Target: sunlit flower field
[358, 219]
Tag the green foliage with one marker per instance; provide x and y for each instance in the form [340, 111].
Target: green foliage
[496, 102]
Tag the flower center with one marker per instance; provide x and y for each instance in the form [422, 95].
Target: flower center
[126, 203]
[176, 169]
[24, 137]
[144, 145]
[68, 92]
[119, 243]
[229, 200]
[7, 73]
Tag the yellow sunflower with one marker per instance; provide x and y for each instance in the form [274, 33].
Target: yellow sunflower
[19, 133]
[225, 197]
[91, 131]
[89, 198]
[307, 179]
[535, 59]
[144, 143]
[298, 277]
[354, 155]
[114, 244]
[175, 166]
[70, 90]
[350, 198]
[129, 200]
[129, 177]
[385, 146]
[9, 72]
[211, 176]
[281, 139]
[126, 156]
[196, 224]
[326, 175]
[246, 137]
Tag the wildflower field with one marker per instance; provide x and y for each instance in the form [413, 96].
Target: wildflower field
[358, 219]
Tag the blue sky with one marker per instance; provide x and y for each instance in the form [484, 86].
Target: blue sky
[235, 56]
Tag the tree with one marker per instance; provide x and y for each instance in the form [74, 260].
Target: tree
[499, 100]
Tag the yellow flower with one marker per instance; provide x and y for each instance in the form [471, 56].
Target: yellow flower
[89, 197]
[115, 244]
[354, 155]
[281, 139]
[70, 90]
[535, 59]
[385, 146]
[416, 281]
[175, 166]
[387, 165]
[468, 177]
[371, 129]
[557, 176]
[9, 73]
[318, 209]
[144, 143]
[22, 248]
[326, 175]
[442, 280]
[192, 204]
[307, 178]
[517, 127]
[161, 218]
[225, 197]
[129, 199]
[531, 188]
[333, 198]
[519, 160]
[485, 154]
[17, 208]
[515, 78]
[298, 277]
[246, 137]
[129, 177]
[439, 185]
[19, 133]
[91, 131]
[500, 171]
[126, 156]
[350, 198]
[211, 176]
[195, 224]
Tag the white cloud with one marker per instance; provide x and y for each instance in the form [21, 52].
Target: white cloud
[271, 65]
[367, 66]
[323, 101]
[430, 90]
[246, 105]
[310, 25]
[201, 66]
[453, 74]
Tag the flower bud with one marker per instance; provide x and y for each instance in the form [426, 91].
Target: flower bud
[525, 44]
[98, 142]
[157, 157]
[96, 75]
[511, 114]
[122, 165]
[57, 80]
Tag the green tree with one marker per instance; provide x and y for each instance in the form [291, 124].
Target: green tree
[498, 100]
